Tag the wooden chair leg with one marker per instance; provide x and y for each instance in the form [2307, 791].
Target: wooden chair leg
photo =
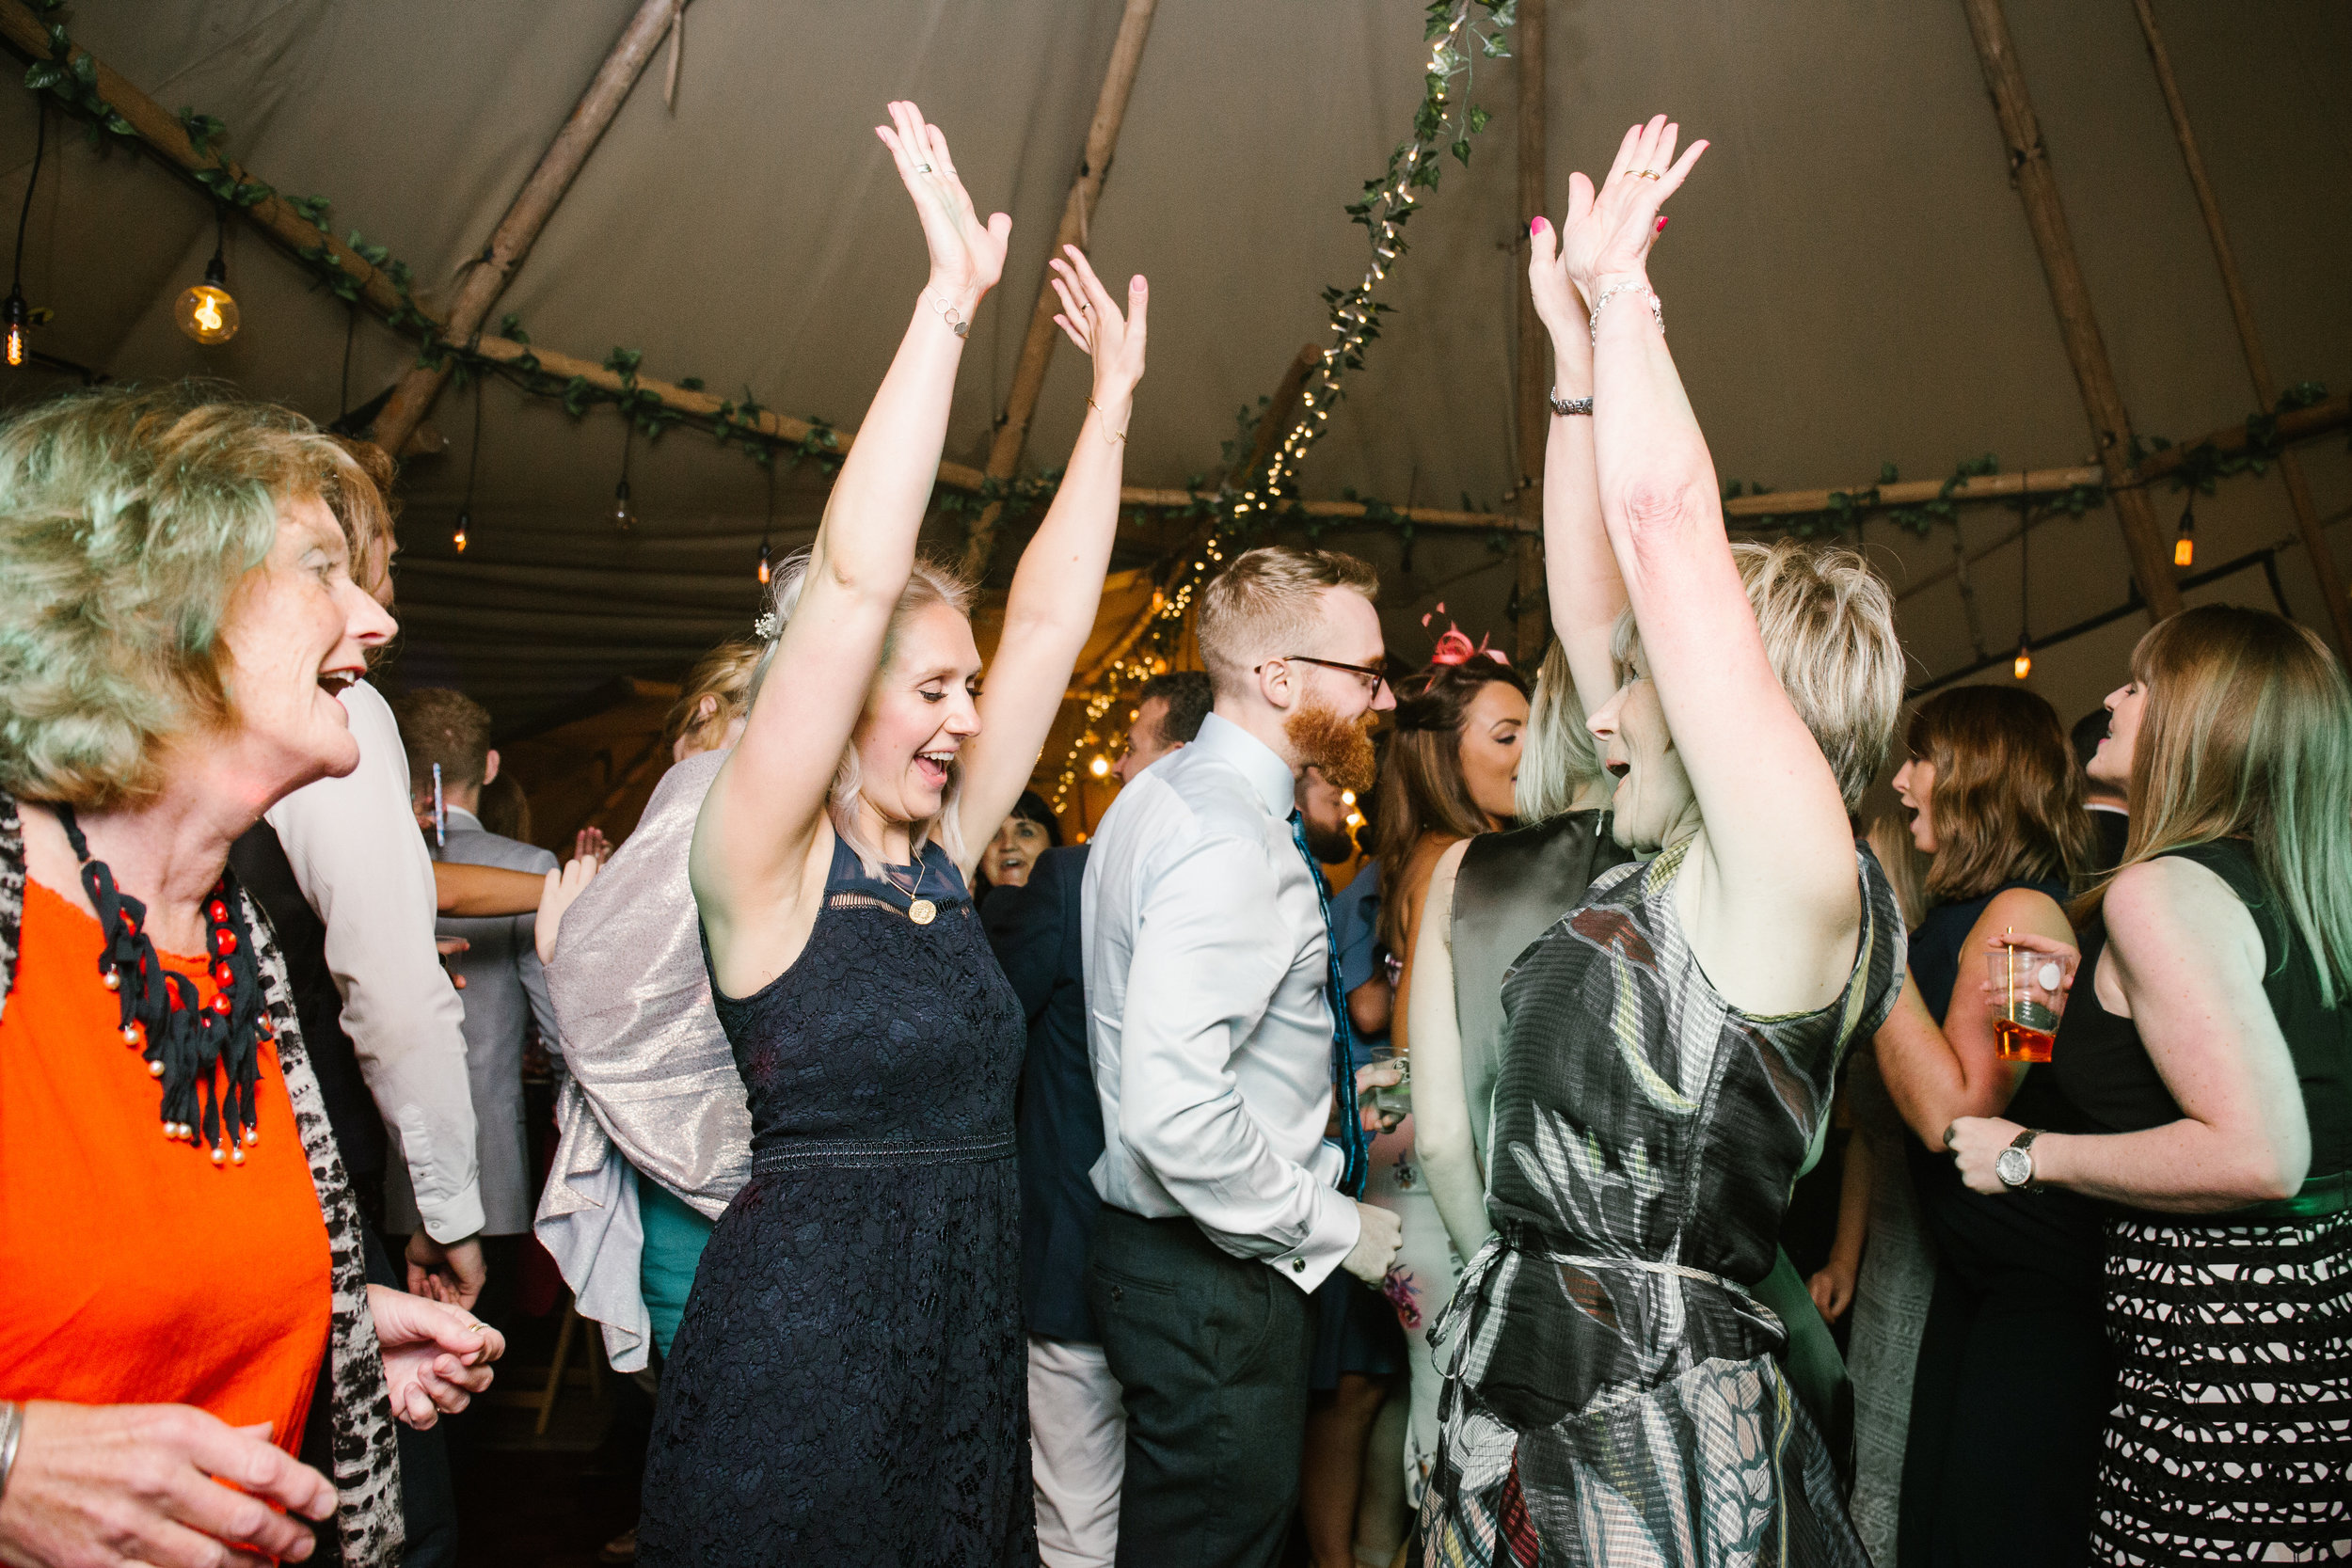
[555, 1373]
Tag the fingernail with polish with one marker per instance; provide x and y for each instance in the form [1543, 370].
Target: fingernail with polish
[1662, 224]
[1536, 227]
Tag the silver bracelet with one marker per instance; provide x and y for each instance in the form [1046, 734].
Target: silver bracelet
[949, 313]
[11, 1429]
[1657, 311]
[1569, 405]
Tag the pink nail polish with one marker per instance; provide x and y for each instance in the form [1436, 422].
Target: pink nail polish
[1536, 227]
[1662, 224]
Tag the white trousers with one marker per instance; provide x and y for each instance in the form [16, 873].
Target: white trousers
[1077, 1453]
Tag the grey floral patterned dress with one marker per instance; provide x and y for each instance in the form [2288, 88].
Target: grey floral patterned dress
[1613, 1397]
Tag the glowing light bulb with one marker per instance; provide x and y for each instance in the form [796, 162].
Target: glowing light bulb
[763, 562]
[205, 312]
[465, 520]
[1347, 796]
[2022, 665]
[1100, 766]
[20, 318]
[2184, 549]
[624, 515]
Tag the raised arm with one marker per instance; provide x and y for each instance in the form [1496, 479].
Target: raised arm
[1780, 850]
[1441, 1111]
[1579, 573]
[1059, 584]
[766, 807]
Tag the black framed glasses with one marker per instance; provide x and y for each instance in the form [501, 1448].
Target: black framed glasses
[1371, 679]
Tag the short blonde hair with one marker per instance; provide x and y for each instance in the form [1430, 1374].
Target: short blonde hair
[129, 515]
[1557, 756]
[1261, 606]
[928, 582]
[724, 677]
[1828, 625]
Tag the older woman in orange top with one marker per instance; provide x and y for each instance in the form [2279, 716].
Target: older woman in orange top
[180, 1261]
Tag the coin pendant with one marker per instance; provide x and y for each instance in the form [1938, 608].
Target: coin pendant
[922, 912]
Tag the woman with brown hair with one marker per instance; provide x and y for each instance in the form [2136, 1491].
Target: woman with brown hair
[2207, 1067]
[2012, 1377]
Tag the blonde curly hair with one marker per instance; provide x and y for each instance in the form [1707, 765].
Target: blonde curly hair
[129, 515]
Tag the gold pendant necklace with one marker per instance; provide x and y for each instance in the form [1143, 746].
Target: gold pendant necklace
[921, 910]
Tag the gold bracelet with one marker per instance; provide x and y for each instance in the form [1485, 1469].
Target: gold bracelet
[1118, 440]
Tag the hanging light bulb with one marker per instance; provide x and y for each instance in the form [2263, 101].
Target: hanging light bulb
[2184, 543]
[624, 515]
[465, 520]
[763, 563]
[205, 312]
[20, 318]
[2022, 665]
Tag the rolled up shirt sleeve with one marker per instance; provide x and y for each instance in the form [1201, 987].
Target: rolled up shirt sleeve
[1210, 951]
[356, 851]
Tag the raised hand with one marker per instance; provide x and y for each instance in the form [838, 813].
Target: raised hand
[560, 891]
[1608, 234]
[968, 256]
[1093, 322]
[1558, 305]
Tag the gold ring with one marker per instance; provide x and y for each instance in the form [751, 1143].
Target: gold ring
[1645, 174]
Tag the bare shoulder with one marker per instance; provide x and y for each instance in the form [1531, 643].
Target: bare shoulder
[2022, 909]
[2172, 906]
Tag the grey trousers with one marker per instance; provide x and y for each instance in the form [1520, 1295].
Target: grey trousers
[1210, 1351]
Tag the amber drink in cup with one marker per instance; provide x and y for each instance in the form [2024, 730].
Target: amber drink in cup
[2027, 996]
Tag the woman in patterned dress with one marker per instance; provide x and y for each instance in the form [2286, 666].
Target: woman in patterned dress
[1672, 1042]
[2207, 1067]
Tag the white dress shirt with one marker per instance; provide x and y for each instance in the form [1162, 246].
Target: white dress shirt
[1206, 1014]
[355, 847]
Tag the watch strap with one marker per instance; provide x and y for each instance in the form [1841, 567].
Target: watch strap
[2023, 1143]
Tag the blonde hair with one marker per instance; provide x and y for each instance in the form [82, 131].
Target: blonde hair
[722, 677]
[1263, 604]
[1828, 625]
[2246, 730]
[928, 582]
[1557, 757]
[129, 516]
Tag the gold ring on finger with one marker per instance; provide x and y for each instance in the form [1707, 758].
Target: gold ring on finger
[1645, 174]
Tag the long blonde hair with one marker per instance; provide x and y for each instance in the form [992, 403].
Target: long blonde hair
[929, 582]
[2246, 732]
[1557, 757]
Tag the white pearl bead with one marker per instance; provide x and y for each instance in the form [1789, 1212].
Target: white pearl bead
[154, 1069]
[219, 1157]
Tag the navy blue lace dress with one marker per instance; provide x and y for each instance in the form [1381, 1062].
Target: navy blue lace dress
[849, 1382]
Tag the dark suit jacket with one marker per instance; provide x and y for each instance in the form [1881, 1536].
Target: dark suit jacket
[1035, 932]
[2114, 828]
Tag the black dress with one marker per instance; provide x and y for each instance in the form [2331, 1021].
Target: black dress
[2014, 1376]
[2231, 1440]
[848, 1383]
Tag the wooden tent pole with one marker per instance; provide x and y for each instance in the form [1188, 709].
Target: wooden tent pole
[1077, 217]
[1533, 385]
[2046, 215]
[2248, 336]
[487, 278]
[1282, 412]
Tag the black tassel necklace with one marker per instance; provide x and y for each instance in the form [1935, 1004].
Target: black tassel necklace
[184, 1043]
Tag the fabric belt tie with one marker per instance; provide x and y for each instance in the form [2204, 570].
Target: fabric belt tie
[1474, 1278]
[1354, 1144]
[867, 1153]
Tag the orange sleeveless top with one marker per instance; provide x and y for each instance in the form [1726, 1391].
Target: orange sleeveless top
[133, 1271]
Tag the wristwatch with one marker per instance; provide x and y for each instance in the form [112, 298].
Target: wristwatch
[2015, 1165]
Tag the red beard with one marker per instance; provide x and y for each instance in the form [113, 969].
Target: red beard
[1341, 747]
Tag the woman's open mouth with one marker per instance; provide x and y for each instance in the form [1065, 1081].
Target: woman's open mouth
[931, 768]
[337, 682]
[1618, 769]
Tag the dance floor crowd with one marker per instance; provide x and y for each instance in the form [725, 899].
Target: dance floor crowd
[971, 1197]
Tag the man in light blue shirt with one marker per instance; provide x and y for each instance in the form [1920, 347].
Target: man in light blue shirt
[1208, 972]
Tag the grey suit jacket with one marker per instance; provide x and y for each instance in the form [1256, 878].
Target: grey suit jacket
[505, 991]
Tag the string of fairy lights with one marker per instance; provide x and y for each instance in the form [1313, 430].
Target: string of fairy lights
[1458, 32]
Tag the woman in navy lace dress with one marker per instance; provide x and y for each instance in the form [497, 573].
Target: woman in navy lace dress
[848, 1385]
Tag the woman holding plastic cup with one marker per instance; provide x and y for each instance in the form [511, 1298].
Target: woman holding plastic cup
[2208, 1066]
[2013, 1378]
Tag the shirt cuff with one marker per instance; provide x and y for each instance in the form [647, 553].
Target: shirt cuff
[457, 1218]
[1331, 1237]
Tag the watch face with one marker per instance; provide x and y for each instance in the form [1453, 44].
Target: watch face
[2014, 1167]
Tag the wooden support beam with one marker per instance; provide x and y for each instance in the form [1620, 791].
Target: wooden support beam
[2094, 377]
[2250, 336]
[2301, 425]
[1077, 217]
[412, 399]
[160, 130]
[1533, 380]
[1282, 412]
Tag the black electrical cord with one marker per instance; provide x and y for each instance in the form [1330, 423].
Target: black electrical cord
[24, 217]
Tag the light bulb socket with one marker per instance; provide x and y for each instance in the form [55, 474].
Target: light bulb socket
[620, 491]
[217, 271]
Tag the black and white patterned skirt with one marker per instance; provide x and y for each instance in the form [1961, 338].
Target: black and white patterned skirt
[2231, 1435]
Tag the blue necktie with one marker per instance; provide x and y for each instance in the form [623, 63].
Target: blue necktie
[1354, 1143]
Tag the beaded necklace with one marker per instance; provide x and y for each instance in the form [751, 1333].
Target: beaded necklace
[182, 1041]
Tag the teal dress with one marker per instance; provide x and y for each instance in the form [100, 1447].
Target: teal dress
[676, 1233]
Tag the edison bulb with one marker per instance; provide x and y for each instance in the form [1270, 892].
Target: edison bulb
[458, 539]
[19, 318]
[2022, 665]
[2184, 549]
[624, 515]
[763, 562]
[206, 313]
